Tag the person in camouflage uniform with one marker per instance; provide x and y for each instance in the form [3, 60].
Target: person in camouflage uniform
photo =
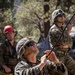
[29, 65]
[8, 56]
[64, 44]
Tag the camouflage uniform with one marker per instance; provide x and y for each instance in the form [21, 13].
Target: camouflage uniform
[8, 56]
[63, 54]
[27, 68]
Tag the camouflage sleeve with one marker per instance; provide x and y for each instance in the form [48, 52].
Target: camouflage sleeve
[54, 34]
[61, 69]
[1, 56]
[23, 68]
[57, 69]
[70, 42]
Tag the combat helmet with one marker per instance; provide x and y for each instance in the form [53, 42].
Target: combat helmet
[20, 47]
[57, 13]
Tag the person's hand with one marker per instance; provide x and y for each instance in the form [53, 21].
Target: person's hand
[43, 59]
[42, 62]
[52, 57]
[7, 69]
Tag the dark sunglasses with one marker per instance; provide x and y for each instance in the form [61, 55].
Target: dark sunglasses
[31, 43]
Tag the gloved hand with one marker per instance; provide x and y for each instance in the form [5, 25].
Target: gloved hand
[52, 57]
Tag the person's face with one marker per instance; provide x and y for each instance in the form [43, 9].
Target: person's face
[60, 18]
[31, 47]
[10, 36]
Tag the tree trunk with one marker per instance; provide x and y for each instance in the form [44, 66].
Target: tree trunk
[46, 23]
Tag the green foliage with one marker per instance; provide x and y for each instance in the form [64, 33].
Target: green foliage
[26, 20]
[5, 13]
[5, 4]
[28, 14]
